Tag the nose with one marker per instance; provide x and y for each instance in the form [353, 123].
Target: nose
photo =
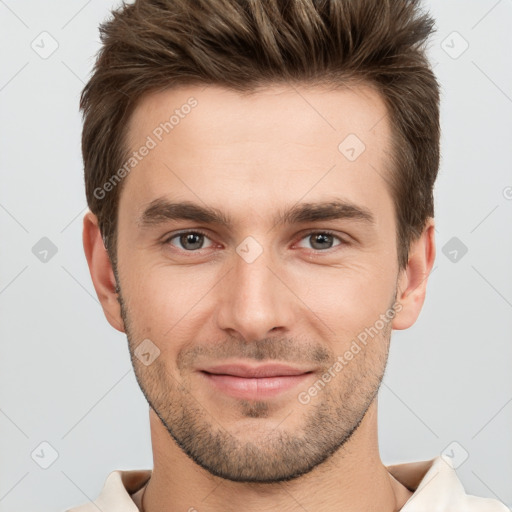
[254, 300]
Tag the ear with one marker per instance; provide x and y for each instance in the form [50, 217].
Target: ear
[101, 271]
[412, 282]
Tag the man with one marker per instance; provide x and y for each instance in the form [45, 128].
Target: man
[260, 176]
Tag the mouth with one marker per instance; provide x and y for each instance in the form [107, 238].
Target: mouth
[254, 382]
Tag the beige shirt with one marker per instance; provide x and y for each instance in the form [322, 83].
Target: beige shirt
[435, 484]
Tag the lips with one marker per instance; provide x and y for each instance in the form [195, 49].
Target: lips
[268, 370]
[254, 382]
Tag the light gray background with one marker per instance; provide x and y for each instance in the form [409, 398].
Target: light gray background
[66, 377]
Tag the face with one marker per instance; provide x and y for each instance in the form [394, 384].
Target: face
[253, 234]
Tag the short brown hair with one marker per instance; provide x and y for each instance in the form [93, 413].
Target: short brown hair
[154, 45]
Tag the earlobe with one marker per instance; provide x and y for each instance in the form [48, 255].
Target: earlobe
[412, 283]
[101, 271]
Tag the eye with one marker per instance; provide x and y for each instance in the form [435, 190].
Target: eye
[192, 241]
[321, 240]
[188, 240]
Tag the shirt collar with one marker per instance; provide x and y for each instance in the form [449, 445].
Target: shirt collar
[434, 482]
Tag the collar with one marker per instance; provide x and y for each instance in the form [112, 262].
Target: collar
[434, 482]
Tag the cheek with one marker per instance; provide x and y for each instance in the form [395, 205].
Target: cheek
[162, 298]
[347, 299]
[166, 301]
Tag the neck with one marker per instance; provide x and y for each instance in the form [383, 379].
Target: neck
[353, 478]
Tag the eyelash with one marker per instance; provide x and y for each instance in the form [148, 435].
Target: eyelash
[342, 241]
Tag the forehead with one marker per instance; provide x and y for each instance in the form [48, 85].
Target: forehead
[277, 144]
[278, 112]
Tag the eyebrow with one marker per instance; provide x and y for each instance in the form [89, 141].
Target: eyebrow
[161, 210]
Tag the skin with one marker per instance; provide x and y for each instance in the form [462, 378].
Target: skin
[301, 302]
